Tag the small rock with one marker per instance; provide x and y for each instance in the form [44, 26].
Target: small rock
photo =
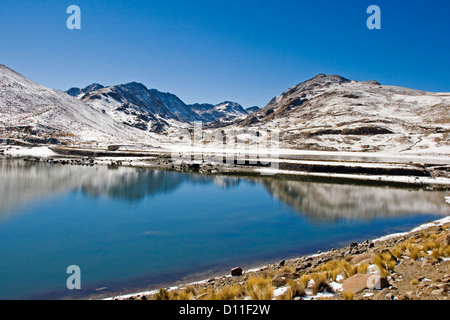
[282, 263]
[373, 269]
[282, 279]
[355, 284]
[303, 266]
[236, 272]
[420, 278]
[438, 292]
[444, 286]
[362, 257]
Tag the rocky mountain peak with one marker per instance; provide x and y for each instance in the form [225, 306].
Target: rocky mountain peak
[134, 86]
[75, 91]
[321, 81]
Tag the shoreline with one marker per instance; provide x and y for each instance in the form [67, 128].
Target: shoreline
[372, 168]
[305, 262]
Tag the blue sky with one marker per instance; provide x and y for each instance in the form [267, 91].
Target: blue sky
[246, 51]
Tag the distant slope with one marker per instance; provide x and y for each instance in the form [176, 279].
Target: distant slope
[77, 92]
[252, 109]
[151, 110]
[30, 109]
[221, 114]
[329, 112]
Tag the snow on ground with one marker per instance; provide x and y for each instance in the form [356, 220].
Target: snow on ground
[439, 222]
[383, 178]
[39, 152]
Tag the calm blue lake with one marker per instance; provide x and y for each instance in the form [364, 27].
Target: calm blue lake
[134, 229]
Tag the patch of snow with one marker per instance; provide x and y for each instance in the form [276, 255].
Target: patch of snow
[39, 152]
[280, 291]
[340, 278]
[335, 286]
[386, 178]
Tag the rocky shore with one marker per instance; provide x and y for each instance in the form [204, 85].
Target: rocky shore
[409, 266]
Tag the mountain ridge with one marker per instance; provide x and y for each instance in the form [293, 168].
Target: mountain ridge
[326, 112]
[134, 99]
[329, 112]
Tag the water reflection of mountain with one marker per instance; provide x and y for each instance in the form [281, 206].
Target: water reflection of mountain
[323, 201]
[24, 183]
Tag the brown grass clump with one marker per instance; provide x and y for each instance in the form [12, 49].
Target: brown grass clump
[386, 262]
[348, 295]
[414, 252]
[320, 283]
[230, 292]
[180, 294]
[397, 251]
[438, 253]
[304, 280]
[163, 294]
[337, 267]
[296, 289]
[260, 288]
[414, 282]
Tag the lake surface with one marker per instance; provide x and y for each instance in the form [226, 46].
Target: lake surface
[132, 229]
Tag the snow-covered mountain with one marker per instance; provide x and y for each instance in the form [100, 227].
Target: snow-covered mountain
[77, 92]
[329, 112]
[151, 110]
[221, 114]
[31, 110]
[252, 109]
[135, 106]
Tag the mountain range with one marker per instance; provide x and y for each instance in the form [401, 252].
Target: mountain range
[326, 112]
[151, 110]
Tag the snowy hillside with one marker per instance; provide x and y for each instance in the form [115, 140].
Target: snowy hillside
[151, 110]
[334, 113]
[30, 109]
